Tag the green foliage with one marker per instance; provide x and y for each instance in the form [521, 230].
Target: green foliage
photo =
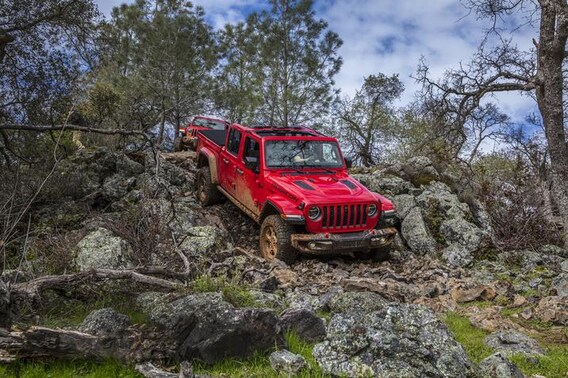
[297, 62]
[470, 337]
[157, 64]
[367, 121]
[234, 292]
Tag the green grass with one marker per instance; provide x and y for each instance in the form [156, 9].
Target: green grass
[71, 312]
[553, 365]
[68, 369]
[470, 337]
[238, 294]
[259, 366]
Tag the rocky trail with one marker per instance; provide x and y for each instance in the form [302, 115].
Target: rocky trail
[363, 318]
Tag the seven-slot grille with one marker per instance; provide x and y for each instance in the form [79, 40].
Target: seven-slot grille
[343, 216]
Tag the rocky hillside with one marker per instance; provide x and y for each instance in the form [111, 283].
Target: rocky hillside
[152, 278]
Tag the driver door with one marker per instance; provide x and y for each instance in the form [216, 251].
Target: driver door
[248, 188]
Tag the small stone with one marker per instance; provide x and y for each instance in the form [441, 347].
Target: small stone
[105, 322]
[498, 366]
[560, 284]
[519, 300]
[102, 249]
[287, 362]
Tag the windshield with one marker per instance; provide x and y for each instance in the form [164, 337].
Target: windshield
[302, 153]
[215, 125]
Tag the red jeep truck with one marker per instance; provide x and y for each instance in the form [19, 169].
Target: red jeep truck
[187, 137]
[294, 183]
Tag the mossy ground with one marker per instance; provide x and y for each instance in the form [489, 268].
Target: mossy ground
[68, 369]
[553, 365]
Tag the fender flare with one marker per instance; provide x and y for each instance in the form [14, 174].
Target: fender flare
[206, 155]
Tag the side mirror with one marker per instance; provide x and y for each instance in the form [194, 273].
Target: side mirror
[348, 162]
[251, 162]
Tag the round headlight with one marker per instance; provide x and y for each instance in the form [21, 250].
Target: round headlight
[372, 210]
[314, 212]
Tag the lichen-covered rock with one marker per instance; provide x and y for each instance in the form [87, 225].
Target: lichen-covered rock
[385, 184]
[360, 301]
[512, 341]
[103, 249]
[498, 366]
[459, 231]
[403, 203]
[560, 284]
[304, 323]
[206, 327]
[437, 197]
[457, 255]
[284, 361]
[416, 234]
[202, 240]
[397, 340]
[549, 249]
[105, 322]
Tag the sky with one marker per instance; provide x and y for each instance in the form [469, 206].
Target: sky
[388, 36]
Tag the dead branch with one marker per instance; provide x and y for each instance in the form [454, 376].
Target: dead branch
[44, 128]
[31, 289]
[40, 342]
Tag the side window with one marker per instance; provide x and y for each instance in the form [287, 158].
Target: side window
[252, 149]
[234, 141]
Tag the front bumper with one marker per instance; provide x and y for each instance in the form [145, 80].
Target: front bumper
[323, 244]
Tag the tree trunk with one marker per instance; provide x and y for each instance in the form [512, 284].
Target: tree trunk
[551, 54]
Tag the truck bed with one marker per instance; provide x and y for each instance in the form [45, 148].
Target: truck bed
[216, 136]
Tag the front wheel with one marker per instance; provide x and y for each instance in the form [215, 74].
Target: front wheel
[275, 240]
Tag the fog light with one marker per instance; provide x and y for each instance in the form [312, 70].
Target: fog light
[312, 245]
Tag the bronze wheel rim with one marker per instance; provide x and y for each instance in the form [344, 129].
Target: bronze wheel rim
[269, 242]
[201, 188]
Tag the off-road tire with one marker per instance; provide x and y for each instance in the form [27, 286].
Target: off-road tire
[275, 240]
[206, 193]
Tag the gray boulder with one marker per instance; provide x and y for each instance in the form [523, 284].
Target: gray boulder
[397, 340]
[206, 327]
[560, 284]
[549, 249]
[305, 323]
[498, 366]
[403, 203]
[438, 197]
[388, 185]
[202, 240]
[511, 341]
[105, 322]
[459, 231]
[360, 301]
[287, 362]
[102, 249]
[457, 255]
[416, 234]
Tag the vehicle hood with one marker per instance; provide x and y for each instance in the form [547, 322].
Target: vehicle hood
[321, 189]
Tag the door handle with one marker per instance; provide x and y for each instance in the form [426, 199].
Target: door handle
[239, 171]
[225, 161]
